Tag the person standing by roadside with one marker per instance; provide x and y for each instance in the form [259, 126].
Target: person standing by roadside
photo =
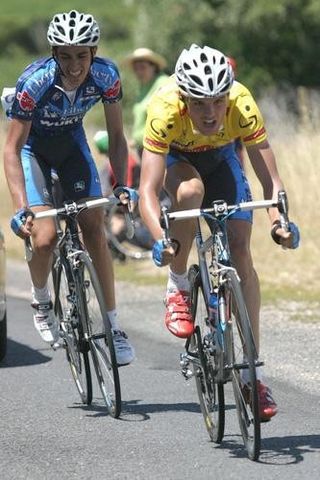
[148, 67]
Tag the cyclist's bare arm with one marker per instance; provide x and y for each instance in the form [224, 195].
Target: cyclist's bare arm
[264, 164]
[151, 181]
[118, 149]
[17, 136]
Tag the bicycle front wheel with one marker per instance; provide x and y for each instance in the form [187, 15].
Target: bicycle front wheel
[242, 362]
[210, 393]
[100, 336]
[65, 306]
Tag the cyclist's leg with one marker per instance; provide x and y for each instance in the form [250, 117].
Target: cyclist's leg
[185, 188]
[184, 185]
[38, 188]
[80, 183]
[229, 182]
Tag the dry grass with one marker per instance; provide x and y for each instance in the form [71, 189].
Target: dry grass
[290, 273]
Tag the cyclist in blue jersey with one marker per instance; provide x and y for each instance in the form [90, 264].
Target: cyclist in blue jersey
[46, 132]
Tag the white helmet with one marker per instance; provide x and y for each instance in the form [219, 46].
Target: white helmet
[73, 28]
[203, 72]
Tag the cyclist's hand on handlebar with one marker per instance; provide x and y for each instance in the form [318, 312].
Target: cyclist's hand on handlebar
[163, 252]
[288, 239]
[22, 222]
[126, 196]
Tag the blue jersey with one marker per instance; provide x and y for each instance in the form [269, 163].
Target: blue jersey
[41, 99]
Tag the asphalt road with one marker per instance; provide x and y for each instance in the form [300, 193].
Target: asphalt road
[46, 433]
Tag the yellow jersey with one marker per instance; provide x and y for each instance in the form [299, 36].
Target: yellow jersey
[169, 125]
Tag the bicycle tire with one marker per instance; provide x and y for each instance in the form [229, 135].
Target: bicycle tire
[71, 330]
[100, 335]
[121, 246]
[242, 354]
[210, 393]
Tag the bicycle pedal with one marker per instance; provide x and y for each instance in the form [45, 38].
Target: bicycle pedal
[56, 345]
[187, 373]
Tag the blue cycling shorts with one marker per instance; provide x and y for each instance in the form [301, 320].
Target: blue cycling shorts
[70, 157]
[222, 174]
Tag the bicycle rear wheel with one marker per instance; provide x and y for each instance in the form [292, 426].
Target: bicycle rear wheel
[100, 336]
[210, 393]
[71, 329]
[242, 358]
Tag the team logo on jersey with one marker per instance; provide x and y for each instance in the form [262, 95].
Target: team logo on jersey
[114, 90]
[79, 186]
[90, 90]
[26, 102]
[160, 127]
[56, 96]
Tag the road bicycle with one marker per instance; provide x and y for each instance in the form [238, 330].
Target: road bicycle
[222, 348]
[80, 307]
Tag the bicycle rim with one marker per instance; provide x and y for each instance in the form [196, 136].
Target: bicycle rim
[243, 357]
[100, 338]
[76, 347]
[210, 393]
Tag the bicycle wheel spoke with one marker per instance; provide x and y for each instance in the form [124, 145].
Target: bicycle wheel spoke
[210, 393]
[71, 331]
[100, 338]
[242, 361]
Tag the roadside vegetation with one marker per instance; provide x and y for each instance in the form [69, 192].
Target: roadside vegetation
[275, 45]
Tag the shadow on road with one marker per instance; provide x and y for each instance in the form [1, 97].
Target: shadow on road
[288, 450]
[134, 411]
[19, 355]
[276, 450]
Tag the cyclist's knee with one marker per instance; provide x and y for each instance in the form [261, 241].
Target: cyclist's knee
[44, 242]
[190, 194]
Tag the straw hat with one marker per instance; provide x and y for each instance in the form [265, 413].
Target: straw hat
[148, 55]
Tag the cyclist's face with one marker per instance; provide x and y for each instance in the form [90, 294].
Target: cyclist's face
[75, 63]
[207, 114]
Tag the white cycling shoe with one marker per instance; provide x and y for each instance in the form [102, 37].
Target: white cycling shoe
[45, 322]
[123, 350]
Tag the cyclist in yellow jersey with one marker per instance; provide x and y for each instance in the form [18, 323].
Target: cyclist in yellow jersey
[189, 149]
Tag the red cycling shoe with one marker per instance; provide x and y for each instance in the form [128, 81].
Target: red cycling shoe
[178, 316]
[267, 405]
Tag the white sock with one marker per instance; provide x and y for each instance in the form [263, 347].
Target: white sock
[40, 295]
[112, 314]
[178, 281]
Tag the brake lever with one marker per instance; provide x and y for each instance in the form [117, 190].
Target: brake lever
[283, 207]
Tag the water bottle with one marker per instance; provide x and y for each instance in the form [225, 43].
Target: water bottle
[213, 309]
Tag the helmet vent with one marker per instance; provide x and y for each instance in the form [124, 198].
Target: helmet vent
[210, 83]
[203, 58]
[186, 66]
[207, 70]
[221, 75]
[82, 30]
[196, 79]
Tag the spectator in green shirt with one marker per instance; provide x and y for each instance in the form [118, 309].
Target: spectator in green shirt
[148, 68]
